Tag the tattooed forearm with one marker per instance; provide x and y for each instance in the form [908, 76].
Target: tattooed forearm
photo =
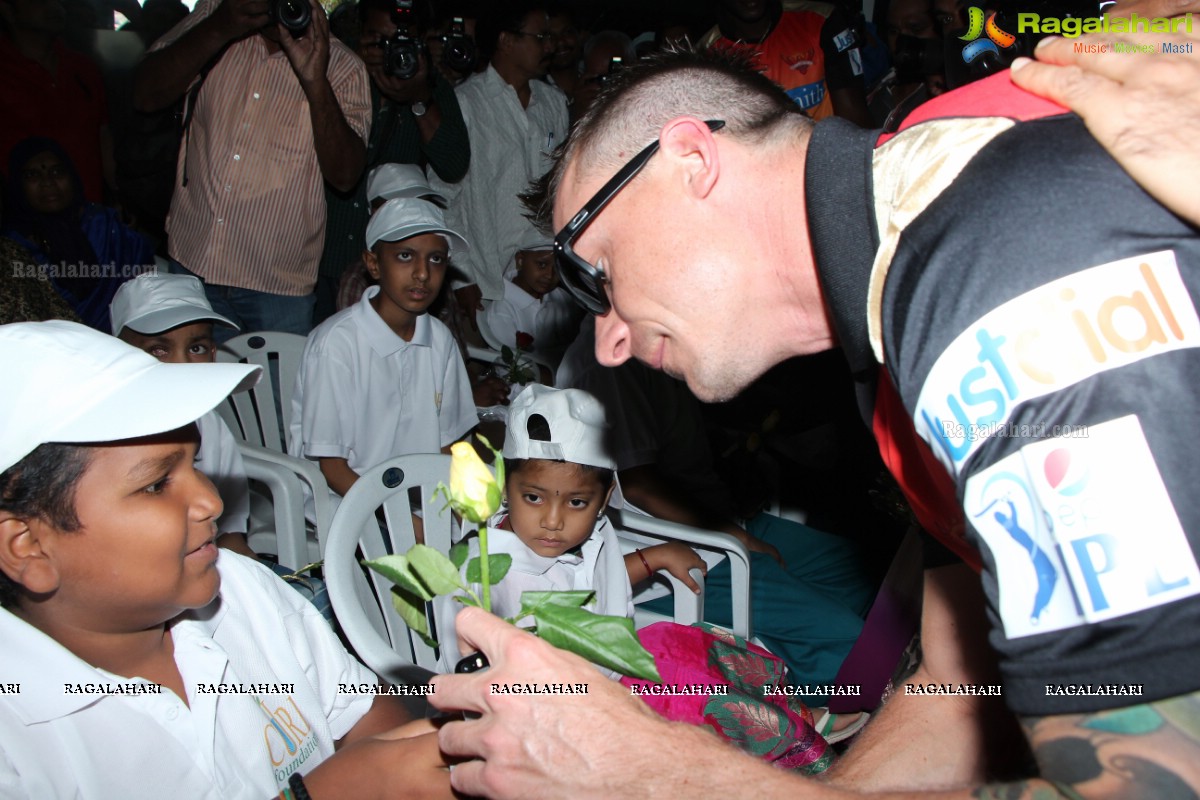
[1143, 751]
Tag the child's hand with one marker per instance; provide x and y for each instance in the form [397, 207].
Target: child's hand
[678, 559]
[383, 766]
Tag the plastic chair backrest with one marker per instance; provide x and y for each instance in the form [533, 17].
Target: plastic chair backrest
[362, 598]
[261, 415]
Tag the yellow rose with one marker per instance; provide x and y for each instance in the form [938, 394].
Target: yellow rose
[474, 493]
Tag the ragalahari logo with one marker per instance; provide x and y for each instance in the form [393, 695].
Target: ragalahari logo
[977, 26]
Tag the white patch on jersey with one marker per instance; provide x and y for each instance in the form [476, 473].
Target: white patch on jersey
[856, 62]
[844, 40]
[1081, 529]
[1049, 338]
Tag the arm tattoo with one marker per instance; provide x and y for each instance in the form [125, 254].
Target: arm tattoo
[1142, 751]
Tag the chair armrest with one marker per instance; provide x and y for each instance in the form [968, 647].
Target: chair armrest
[287, 502]
[310, 473]
[689, 606]
[739, 556]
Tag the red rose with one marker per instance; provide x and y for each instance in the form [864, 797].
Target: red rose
[524, 340]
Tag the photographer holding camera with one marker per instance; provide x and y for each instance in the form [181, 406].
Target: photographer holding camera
[415, 119]
[275, 109]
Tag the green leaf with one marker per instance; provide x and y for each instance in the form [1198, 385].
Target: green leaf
[506, 353]
[412, 610]
[498, 565]
[532, 601]
[397, 570]
[458, 554]
[466, 600]
[434, 570]
[605, 640]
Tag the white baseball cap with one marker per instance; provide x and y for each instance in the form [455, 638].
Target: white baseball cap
[536, 240]
[577, 427]
[65, 382]
[159, 301]
[407, 217]
[390, 181]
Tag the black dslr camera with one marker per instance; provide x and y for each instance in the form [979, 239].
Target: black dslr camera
[402, 53]
[295, 15]
[458, 49]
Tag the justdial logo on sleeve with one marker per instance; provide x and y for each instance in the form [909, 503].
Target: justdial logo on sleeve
[1049, 338]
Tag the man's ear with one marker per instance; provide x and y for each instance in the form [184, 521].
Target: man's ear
[688, 143]
[22, 557]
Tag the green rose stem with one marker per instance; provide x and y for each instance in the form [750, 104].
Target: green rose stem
[483, 568]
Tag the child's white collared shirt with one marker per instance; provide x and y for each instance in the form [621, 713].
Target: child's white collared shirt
[598, 566]
[60, 738]
[366, 395]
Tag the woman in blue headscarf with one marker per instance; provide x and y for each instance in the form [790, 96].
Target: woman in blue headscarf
[82, 248]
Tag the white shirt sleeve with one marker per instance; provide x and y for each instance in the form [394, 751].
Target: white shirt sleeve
[456, 414]
[322, 388]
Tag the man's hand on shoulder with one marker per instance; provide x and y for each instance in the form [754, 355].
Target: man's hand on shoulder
[1143, 110]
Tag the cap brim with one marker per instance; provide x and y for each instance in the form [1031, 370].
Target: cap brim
[457, 243]
[162, 398]
[167, 318]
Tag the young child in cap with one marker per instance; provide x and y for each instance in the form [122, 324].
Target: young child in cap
[141, 661]
[559, 476]
[169, 317]
[383, 378]
[535, 304]
[558, 479]
[384, 182]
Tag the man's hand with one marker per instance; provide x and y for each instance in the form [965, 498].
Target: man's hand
[237, 18]
[551, 746]
[753, 544]
[1142, 110]
[308, 55]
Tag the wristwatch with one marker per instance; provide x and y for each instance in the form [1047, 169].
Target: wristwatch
[418, 108]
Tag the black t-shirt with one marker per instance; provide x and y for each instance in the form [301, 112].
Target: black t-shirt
[1038, 318]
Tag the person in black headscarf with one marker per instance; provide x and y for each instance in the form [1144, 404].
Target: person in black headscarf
[82, 249]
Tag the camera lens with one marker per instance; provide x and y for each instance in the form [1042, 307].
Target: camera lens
[459, 53]
[295, 15]
[401, 56]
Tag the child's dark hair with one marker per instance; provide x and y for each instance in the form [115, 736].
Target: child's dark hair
[538, 429]
[42, 486]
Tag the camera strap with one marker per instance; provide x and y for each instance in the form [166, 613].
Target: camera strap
[189, 105]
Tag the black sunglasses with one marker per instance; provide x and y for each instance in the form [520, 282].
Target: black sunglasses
[584, 281]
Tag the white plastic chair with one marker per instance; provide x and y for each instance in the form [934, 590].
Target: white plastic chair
[258, 418]
[362, 602]
[263, 412]
[361, 598]
[639, 530]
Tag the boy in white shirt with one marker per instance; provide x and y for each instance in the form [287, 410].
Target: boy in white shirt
[145, 661]
[535, 304]
[169, 317]
[383, 378]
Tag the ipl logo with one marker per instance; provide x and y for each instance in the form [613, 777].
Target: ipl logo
[977, 26]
